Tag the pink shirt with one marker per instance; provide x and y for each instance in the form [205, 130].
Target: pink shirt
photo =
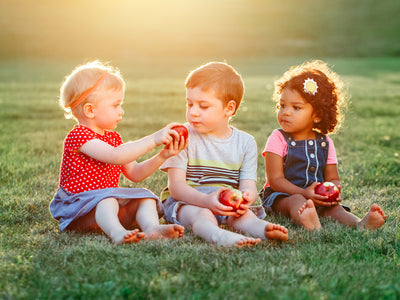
[277, 144]
[79, 172]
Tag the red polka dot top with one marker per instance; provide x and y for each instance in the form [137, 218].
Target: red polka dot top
[79, 172]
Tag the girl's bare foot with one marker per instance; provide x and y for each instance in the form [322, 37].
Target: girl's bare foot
[170, 231]
[373, 219]
[276, 232]
[126, 237]
[308, 216]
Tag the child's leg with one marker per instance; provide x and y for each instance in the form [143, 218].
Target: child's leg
[205, 225]
[85, 223]
[372, 220]
[254, 226]
[299, 209]
[147, 219]
[107, 218]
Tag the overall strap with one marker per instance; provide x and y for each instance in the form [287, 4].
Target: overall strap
[320, 136]
[288, 136]
[323, 142]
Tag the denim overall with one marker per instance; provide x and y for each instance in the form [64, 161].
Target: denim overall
[304, 164]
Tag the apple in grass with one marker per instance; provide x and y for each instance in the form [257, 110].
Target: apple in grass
[231, 197]
[327, 189]
[182, 131]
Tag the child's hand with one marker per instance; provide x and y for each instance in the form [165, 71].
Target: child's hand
[245, 205]
[217, 207]
[166, 135]
[174, 148]
[339, 198]
[318, 199]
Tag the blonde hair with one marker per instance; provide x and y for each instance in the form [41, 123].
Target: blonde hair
[82, 79]
[222, 78]
[328, 101]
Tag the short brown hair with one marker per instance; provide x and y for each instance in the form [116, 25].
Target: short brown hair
[328, 101]
[222, 78]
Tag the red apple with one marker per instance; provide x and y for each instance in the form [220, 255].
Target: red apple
[231, 197]
[327, 189]
[182, 131]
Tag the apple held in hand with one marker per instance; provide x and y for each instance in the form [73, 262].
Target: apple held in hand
[182, 131]
[231, 197]
[327, 189]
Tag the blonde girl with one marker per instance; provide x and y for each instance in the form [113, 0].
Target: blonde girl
[94, 157]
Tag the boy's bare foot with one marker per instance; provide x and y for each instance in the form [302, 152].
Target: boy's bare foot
[276, 232]
[126, 237]
[170, 231]
[247, 242]
[232, 239]
[373, 219]
[308, 216]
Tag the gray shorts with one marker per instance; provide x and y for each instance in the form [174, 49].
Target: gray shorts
[171, 206]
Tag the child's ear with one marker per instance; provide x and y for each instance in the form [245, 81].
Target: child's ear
[88, 110]
[317, 120]
[230, 107]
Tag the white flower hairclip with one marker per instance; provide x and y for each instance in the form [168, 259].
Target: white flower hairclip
[310, 86]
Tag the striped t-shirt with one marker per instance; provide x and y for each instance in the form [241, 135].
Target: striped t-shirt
[212, 161]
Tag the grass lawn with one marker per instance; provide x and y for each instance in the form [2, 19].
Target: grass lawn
[39, 262]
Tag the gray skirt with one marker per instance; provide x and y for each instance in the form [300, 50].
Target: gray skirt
[66, 206]
[268, 197]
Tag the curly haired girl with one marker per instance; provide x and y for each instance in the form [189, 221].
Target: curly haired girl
[300, 155]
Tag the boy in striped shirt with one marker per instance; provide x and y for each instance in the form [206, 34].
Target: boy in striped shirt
[218, 156]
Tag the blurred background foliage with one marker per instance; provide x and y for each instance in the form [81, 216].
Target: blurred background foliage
[191, 28]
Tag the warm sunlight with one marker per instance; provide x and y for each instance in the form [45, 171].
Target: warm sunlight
[126, 27]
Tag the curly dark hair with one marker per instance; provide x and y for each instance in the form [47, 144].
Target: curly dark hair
[329, 100]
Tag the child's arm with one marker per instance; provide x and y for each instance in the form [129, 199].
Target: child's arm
[249, 189]
[332, 174]
[181, 191]
[130, 151]
[137, 172]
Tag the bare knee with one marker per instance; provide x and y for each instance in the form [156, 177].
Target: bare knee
[107, 204]
[297, 198]
[190, 215]
[290, 205]
[232, 221]
[330, 211]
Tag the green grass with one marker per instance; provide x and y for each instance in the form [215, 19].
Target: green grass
[39, 262]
